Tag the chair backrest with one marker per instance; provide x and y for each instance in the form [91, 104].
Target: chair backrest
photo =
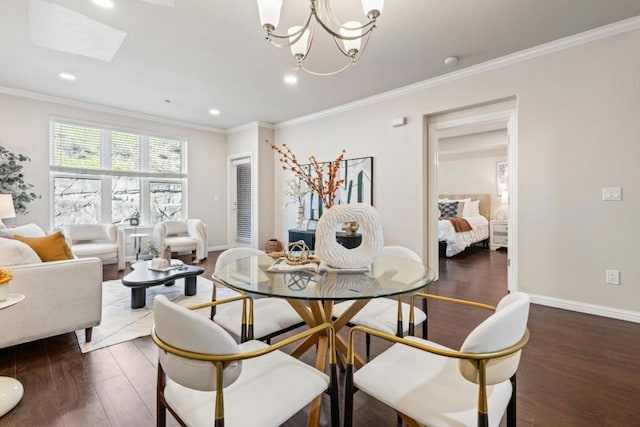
[400, 251]
[86, 232]
[234, 254]
[175, 227]
[184, 329]
[502, 329]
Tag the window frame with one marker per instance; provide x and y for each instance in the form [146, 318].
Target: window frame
[105, 173]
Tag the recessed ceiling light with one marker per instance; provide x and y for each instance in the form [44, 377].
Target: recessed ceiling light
[107, 4]
[214, 112]
[67, 76]
[290, 79]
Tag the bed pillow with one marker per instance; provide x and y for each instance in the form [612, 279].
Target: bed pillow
[49, 248]
[448, 209]
[474, 207]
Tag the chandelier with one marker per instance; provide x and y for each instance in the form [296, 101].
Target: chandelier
[348, 36]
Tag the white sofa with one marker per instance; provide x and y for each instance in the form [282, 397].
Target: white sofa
[189, 235]
[60, 296]
[104, 241]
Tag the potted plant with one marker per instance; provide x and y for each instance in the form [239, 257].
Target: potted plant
[157, 262]
[12, 179]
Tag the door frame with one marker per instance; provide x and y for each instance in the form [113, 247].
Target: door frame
[431, 177]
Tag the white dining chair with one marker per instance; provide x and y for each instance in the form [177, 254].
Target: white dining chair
[205, 378]
[429, 384]
[271, 316]
[382, 313]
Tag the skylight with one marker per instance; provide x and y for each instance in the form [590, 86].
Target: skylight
[55, 27]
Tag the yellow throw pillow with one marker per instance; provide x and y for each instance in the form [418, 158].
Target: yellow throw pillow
[49, 248]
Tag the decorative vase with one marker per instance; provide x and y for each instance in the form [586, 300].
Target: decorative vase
[159, 263]
[300, 215]
[336, 255]
[273, 245]
[4, 291]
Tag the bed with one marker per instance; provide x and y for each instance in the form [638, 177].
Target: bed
[452, 242]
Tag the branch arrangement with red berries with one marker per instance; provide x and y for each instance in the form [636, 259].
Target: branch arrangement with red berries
[325, 185]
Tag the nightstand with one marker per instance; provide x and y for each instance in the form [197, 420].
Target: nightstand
[498, 234]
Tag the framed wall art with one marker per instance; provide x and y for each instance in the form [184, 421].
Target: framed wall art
[357, 187]
[502, 173]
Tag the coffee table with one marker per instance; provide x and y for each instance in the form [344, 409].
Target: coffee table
[141, 278]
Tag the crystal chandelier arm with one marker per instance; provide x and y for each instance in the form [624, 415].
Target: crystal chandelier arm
[360, 52]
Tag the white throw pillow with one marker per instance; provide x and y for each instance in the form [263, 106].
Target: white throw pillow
[14, 252]
[28, 230]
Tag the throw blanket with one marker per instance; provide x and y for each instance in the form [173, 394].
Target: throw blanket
[459, 224]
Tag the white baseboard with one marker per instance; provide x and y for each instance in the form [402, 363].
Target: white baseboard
[581, 307]
[217, 248]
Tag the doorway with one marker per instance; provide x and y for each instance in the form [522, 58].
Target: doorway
[241, 196]
[492, 116]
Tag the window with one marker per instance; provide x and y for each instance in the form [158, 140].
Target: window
[110, 175]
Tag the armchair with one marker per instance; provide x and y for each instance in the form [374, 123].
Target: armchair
[104, 241]
[205, 378]
[189, 235]
[429, 384]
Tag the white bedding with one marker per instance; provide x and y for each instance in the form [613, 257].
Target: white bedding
[458, 242]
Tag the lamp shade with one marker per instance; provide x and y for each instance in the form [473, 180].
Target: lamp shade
[6, 206]
[505, 197]
[370, 5]
[349, 30]
[269, 12]
[299, 48]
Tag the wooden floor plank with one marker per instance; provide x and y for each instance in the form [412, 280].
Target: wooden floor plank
[578, 369]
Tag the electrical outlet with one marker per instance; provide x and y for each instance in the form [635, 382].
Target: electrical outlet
[613, 277]
[612, 193]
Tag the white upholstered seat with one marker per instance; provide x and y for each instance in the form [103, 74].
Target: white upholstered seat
[259, 389]
[181, 236]
[382, 313]
[436, 390]
[271, 316]
[104, 241]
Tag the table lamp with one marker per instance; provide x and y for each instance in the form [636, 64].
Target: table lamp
[6, 208]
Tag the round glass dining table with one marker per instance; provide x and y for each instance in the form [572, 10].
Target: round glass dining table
[387, 276]
[312, 294]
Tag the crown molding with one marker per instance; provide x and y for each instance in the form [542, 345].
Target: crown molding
[249, 126]
[103, 109]
[589, 36]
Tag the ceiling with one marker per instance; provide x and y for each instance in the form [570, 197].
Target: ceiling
[204, 54]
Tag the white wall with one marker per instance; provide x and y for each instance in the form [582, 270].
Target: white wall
[578, 131]
[24, 128]
[250, 139]
[465, 167]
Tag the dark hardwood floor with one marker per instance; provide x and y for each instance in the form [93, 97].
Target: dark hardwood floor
[578, 370]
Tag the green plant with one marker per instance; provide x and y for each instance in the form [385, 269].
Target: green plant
[12, 179]
[153, 248]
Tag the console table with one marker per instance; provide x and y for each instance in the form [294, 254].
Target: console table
[309, 237]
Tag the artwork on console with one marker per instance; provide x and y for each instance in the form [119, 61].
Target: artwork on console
[356, 188]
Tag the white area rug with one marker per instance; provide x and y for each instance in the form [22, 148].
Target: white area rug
[121, 323]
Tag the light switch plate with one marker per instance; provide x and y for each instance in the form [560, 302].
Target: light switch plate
[611, 193]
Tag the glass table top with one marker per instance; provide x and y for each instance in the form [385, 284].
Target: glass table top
[388, 276]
